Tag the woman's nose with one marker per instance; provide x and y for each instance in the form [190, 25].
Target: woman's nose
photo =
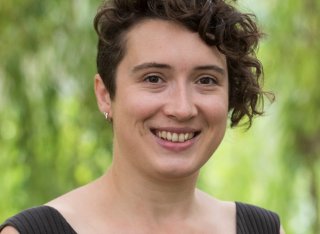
[180, 104]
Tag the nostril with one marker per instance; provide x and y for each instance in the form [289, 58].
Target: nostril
[181, 113]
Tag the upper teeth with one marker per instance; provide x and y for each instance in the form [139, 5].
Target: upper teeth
[175, 137]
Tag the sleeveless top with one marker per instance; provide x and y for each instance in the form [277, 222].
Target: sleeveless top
[45, 219]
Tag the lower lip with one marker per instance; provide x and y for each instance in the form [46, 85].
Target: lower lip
[175, 146]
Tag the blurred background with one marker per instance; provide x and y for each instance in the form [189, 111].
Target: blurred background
[53, 138]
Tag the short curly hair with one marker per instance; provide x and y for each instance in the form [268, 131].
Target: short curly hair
[218, 23]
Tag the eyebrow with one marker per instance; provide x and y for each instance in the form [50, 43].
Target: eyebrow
[166, 66]
[150, 65]
[211, 67]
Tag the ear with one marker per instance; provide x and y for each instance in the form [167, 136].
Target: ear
[102, 95]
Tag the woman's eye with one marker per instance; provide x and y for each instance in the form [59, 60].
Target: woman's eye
[153, 79]
[207, 81]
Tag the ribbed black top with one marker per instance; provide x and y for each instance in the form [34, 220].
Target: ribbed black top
[44, 219]
[256, 220]
[38, 220]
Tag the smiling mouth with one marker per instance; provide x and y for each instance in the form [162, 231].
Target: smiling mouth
[174, 136]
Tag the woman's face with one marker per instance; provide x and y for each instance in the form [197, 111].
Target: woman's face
[171, 104]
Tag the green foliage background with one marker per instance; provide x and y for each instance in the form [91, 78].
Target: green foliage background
[53, 138]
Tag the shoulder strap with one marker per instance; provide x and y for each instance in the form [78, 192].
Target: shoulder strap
[252, 220]
[42, 219]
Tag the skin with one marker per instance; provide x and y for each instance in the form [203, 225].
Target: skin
[169, 80]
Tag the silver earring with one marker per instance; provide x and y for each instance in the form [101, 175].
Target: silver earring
[106, 115]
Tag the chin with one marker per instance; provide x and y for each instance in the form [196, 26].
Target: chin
[177, 171]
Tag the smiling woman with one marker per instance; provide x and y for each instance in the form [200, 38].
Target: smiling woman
[169, 72]
[161, 88]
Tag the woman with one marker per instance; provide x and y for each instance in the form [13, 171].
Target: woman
[169, 73]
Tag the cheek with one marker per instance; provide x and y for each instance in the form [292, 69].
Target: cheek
[137, 106]
[216, 117]
[216, 109]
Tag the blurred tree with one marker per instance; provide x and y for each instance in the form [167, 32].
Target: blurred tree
[50, 135]
[295, 63]
[291, 57]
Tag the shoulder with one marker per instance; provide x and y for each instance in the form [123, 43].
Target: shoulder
[41, 219]
[218, 214]
[9, 230]
[254, 219]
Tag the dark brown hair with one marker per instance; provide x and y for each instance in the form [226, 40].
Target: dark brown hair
[219, 24]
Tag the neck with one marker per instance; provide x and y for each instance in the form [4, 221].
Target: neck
[155, 198]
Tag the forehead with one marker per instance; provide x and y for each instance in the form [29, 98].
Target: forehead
[167, 41]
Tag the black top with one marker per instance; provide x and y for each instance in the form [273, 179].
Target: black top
[45, 219]
[255, 220]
